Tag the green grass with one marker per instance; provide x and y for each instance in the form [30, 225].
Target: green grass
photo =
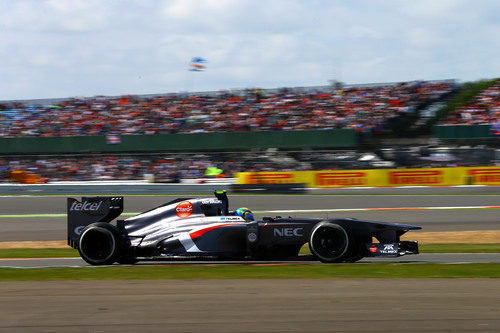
[183, 272]
[238, 271]
[459, 248]
[424, 248]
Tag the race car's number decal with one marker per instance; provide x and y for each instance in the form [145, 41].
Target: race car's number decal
[288, 232]
[184, 209]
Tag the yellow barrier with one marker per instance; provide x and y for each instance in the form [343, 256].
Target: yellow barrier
[484, 175]
[425, 177]
[273, 177]
[378, 177]
[347, 178]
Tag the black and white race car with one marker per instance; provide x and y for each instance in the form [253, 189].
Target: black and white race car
[205, 228]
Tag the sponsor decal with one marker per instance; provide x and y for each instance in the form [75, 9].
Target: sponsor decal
[85, 206]
[373, 248]
[288, 232]
[485, 176]
[233, 218]
[78, 230]
[416, 177]
[252, 237]
[269, 178]
[184, 209]
[210, 201]
[354, 178]
[389, 249]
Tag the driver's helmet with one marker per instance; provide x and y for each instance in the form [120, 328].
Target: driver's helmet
[244, 213]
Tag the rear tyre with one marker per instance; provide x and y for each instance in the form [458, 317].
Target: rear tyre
[329, 242]
[100, 244]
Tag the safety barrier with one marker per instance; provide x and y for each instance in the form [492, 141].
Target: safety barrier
[112, 188]
[463, 131]
[378, 177]
[338, 138]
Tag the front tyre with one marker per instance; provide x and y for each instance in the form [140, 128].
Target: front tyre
[100, 244]
[329, 242]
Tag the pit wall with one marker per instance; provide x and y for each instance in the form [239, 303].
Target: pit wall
[378, 177]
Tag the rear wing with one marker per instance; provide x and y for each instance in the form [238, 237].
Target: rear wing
[89, 210]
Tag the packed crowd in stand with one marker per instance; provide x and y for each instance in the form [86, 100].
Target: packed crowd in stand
[178, 167]
[365, 109]
[100, 168]
[161, 168]
[484, 109]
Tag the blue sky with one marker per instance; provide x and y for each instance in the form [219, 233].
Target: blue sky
[67, 48]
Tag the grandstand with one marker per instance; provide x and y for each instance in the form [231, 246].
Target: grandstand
[367, 109]
[483, 109]
[179, 136]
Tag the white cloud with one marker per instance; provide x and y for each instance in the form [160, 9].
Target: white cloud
[58, 48]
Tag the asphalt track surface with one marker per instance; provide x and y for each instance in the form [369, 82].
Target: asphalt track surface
[444, 258]
[281, 305]
[54, 228]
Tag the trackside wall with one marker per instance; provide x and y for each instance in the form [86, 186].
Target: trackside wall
[379, 177]
[339, 138]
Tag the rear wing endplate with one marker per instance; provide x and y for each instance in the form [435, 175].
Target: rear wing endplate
[89, 210]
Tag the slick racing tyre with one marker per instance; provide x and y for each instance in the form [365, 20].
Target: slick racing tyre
[100, 244]
[329, 242]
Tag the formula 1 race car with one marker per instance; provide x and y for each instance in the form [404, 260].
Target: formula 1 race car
[205, 228]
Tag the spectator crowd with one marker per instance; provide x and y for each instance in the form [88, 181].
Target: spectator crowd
[172, 167]
[484, 109]
[365, 109]
[163, 168]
